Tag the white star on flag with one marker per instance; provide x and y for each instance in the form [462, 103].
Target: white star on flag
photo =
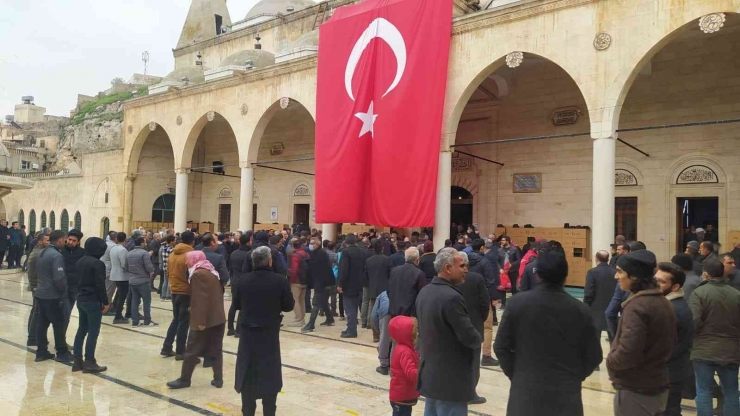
[368, 120]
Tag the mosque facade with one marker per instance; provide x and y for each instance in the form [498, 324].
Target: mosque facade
[617, 117]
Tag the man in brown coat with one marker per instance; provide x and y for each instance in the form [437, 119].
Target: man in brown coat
[207, 321]
[177, 270]
[644, 340]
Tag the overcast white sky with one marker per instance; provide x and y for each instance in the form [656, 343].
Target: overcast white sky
[55, 49]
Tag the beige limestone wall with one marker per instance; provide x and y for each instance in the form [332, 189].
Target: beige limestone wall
[85, 193]
[155, 172]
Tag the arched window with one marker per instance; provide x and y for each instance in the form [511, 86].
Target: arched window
[78, 221]
[21, 218]
[52, 221]
[32, 221]
[163, 209]
[65, 220]
[43, 219]
[104, 227]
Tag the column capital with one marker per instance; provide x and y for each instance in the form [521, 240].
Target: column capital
[181, 170]
[605, 136]
[130, 177]
[246, 165]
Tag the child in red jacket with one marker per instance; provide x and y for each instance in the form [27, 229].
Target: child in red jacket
[404, 365]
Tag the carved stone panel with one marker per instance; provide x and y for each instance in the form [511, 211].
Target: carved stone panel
[566, 116]
[302, 190]
[623, 177]
[152, 126]
[462, 164]
[211, 115]
[225, 193]
[697, 174]
[712, 22]
[284, 102]
[514, 59]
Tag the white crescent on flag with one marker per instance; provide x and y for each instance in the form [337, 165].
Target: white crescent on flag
[382, 29]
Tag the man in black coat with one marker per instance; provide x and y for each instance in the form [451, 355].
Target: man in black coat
[478, 303]
[321, 273]
[448, 342]
[278, 265]
[72, 253]
[399, 258]
[351, 272]
[670, 279]
[599, 290]
[261, 296]
[210, 244]
[547, 344]
[239, 263]
[405, 284]
[377, 273]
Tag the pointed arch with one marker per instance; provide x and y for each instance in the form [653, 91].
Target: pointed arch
[188, 148]
[132, 154]
[32, 221]
[43, 219]
[104, 227]
[78, 221]
[52, 220]
[64, 224]
[264, 121]
[21, 218]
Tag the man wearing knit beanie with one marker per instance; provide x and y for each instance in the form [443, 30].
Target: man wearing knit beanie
[644, 340]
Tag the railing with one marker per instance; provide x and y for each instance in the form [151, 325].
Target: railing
[64, 173]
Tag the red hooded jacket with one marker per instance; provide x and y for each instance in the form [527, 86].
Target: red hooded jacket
[404, 361]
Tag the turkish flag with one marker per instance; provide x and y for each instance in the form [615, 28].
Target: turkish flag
[382, 74]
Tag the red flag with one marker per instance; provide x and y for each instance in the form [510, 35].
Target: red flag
[382, 74]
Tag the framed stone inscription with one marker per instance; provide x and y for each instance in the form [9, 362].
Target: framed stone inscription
[530, 182]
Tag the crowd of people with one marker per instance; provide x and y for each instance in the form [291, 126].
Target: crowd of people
[671, 325]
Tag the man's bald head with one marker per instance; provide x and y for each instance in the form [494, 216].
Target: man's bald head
[602, 256]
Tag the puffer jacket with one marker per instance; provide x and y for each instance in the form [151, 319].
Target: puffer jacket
[482, 265]
[404, 361]
[139, 266]
[177, 270]
[716, 309]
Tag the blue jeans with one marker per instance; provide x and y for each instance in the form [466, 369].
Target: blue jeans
[728, 381]
[138, 293]
[401, 409]
[91, 313]
[352, 305]
[436, 407]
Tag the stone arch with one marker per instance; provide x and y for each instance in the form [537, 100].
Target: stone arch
[631, 167]
[466, 183]
[185, 160]
[264, 121]
[78, 221]
[695, 159]
[300, 189]
[43, 219]
[459, 101]
[134, 152]
[64, 221]
[52, 220]
[21, 218]
[106, 195]
[104, 227]
[32, 221]
[619, 89]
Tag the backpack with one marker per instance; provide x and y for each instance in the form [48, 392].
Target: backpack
[504, 281]
[299, 267]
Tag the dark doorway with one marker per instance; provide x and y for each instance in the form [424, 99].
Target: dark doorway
[461, 211]
[625, 217]
[254, 214]
[301, 213]
[224, 217]
[692, 213]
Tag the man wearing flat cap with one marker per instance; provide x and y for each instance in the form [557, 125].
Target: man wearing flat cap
[644, 340]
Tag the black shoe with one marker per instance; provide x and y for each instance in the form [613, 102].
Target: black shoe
[307, 329]
[65, 357]
[134, 323]
[478, 400]
[31, 343]
[382, 370]
[236, 335]
[120, 321]
[77, 366]
[178, 384]
[207, 362]
[167, 354]
[92, 367]
[127, 316]
[321, 313]
[488, 361]
[327, 323]
[364, 326]
[43, 356]
[230, 333]
[348, 335]
[217, 383]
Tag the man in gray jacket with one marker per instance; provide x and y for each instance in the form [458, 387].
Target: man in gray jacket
[210, 245]
[139, 268]
[50, 294]
[119, 277]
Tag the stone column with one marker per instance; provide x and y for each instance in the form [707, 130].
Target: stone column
[442, 214]
[128, 203]
[602, 206]
[329, 232]
[181, 200]
[246, 198]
